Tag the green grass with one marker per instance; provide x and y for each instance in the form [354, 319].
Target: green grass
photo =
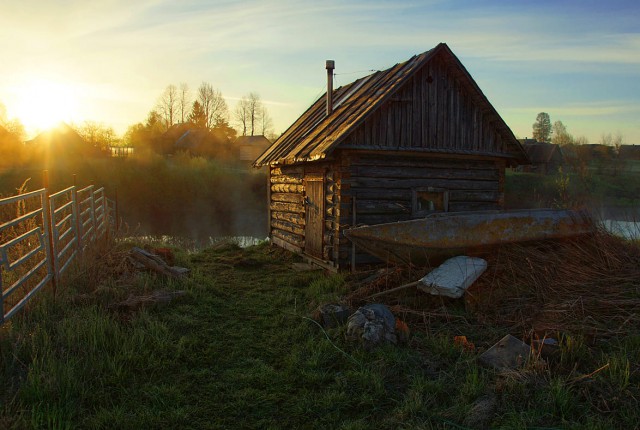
[238, 351]
[593, 189]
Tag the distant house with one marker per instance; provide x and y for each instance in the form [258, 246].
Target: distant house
[208, 143]
[595, 152]
[402, 143]
[251, 147]
[192, 140]
[166, 143]
[629, 152]
[63, 142]
[545, 158]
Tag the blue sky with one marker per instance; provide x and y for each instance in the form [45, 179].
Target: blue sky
[577, 60]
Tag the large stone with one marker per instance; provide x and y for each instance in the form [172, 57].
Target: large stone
[453, 277]
[334, 315]
[373, 324]
[508, 353]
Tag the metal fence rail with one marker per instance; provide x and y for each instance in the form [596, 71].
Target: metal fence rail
[43, 235]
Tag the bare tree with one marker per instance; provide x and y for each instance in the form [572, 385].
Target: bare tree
[266, 123]
[581, 140]
[168, 105]
[248, 114]
[241, 114]
[213, 104]
[560, 134]
[184, 102]
[13, 126]
[96, 134]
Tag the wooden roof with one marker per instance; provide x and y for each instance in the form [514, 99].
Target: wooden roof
[63, 138]
[257, 140]
[315, 135]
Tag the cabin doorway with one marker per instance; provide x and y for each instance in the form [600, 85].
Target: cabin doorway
[314, 211]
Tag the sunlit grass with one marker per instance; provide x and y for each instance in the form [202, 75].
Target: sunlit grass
[237, 351]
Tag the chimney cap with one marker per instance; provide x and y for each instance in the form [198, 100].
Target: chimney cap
[330, 64]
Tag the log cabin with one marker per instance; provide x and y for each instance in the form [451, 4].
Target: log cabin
[417, 138]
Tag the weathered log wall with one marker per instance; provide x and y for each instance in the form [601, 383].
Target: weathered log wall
[287, 208]
[382, 184]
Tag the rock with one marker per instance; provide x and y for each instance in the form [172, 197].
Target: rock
[453, 277]
[508, 353]
[180, 271]
[373, 324]
[334, 315]
[547, 347]
[166, 254]
[155, 263]
[482, 412]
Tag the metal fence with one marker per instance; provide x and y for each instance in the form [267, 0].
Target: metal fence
[43, 235]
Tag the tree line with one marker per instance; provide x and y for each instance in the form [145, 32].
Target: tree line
[209, 110]
[202, 117]
[545, 131]
[199, 122]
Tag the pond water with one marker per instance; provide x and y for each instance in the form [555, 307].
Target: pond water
[626, 229]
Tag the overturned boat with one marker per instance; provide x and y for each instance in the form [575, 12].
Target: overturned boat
[442, 235]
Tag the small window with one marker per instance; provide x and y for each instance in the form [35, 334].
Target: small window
[429, 200]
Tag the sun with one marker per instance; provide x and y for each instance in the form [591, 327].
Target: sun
[43, 104]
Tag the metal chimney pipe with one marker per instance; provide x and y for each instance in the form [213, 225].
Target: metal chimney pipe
[330, 66]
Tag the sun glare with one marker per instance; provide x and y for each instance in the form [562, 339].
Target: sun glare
[43, 104]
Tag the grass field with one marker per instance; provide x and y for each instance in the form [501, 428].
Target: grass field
[597, 191]
[239, 350]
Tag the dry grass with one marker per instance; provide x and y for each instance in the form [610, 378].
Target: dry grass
[588, 286]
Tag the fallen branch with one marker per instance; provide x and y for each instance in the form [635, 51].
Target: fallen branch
[157, 264]
[393, 290]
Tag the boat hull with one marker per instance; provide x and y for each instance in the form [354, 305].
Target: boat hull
[443, 235]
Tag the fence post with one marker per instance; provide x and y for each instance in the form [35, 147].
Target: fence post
[93, 214]
[1, 301]
[117, 212]
[105, 214]
[47, 222]
[75, 207]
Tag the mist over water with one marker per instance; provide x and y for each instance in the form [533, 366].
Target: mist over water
[203, 228]
[188, 197]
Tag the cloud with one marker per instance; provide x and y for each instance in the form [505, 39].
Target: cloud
[129, 51]
[583, 109]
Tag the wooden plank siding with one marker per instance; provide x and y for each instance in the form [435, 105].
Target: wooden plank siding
[382, 184]
[434, 110]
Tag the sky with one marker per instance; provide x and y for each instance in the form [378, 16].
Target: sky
[109, 61]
